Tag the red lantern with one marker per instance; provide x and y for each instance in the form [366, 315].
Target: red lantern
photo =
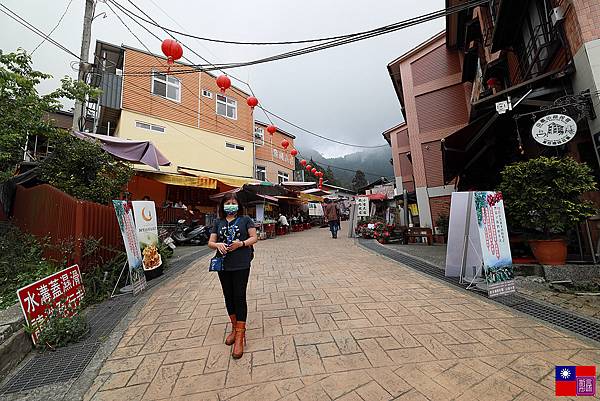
[252, 102]
[271, 129]
[285, 144]
[294, 153]
[308, 167]
[303, 162]
[313, 170]
[223, 82]
[172, 50]
[493, 82]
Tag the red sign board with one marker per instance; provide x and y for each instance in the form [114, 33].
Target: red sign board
[38, 300]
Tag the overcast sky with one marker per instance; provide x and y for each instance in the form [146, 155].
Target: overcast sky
[343, 93]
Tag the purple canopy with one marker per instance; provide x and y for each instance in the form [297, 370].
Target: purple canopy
[134, 151]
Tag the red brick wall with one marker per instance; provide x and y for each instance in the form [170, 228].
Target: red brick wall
[582, 22]
[439, 206]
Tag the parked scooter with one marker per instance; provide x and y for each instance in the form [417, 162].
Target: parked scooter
[192, 234]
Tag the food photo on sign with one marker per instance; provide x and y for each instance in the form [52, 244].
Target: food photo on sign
[147, 236]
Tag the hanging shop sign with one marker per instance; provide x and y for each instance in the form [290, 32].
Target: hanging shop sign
[61, 291]
[554, 130]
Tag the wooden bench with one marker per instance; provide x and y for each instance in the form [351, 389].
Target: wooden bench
[418, 232]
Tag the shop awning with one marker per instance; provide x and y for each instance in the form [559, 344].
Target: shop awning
[230, 180]
[298, 185]
[310, 198]
[143, 152]
[180, 179]
[245, 196]
[456, 148]
[377, 197]
[316, 191]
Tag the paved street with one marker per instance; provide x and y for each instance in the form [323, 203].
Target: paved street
[330, 320]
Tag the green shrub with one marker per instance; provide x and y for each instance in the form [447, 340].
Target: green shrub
[21, 263]
[62, 326]
[83, 170]
[544, 194]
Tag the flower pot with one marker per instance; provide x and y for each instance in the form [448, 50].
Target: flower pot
[549, 252]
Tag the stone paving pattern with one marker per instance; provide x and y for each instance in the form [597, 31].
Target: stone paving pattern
[584, 305]
[330, 320]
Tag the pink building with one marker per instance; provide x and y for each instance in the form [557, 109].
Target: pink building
[435, 103]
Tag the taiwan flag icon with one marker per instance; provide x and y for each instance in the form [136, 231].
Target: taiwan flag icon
[575, 381]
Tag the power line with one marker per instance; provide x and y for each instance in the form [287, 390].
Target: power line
[16, 17]
[339, 42]
[55, 27]
[288, 42]
[320, 136]
[266, 112]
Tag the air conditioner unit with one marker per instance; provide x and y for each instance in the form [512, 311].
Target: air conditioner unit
[557, 15]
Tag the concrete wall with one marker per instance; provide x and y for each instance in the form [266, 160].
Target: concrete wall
[190, 147]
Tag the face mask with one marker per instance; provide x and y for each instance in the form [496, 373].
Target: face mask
[230, 209]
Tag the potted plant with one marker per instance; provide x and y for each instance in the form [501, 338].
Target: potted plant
[442, 223]
[543, 196]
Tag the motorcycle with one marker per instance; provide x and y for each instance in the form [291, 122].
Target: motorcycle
[193, 234]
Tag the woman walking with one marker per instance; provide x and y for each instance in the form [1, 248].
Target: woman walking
[233, 236]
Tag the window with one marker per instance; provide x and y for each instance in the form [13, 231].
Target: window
[282, 177]
[166, 86]
[233, 146]
[207, 93]
[226, 107]
[261, 173]
[259, 136]
[149, 127]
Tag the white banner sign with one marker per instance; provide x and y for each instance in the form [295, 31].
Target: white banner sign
[132, 246]
[478, 243]
[362, 206]
[147, 233]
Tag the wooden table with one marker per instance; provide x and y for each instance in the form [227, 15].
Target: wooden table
[419, 232]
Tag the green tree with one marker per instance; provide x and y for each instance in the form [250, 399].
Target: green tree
[22, 108]
[83, 170]
[359, 180]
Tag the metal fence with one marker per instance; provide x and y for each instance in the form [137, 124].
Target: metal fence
[68, 224]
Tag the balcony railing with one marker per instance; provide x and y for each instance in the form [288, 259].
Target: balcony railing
[537, 54]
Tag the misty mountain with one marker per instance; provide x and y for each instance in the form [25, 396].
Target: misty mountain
[375, 163]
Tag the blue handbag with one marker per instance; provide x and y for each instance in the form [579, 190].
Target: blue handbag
[216, 264]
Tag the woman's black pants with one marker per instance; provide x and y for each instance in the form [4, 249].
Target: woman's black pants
[234, 285]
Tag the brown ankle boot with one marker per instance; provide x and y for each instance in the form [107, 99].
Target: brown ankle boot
[240, 340]
[231, 337]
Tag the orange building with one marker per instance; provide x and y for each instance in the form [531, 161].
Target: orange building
[273, 163]
[206, 134]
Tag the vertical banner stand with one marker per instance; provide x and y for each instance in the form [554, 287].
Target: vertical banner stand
[127, 279]
[354, 220]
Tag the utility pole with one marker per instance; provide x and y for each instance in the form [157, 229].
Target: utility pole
[78, 112]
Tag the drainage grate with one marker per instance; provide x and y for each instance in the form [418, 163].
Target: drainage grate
[559, 317]
[69, 362]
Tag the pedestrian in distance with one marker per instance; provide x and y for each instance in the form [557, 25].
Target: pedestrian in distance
[233, 236]
[331, 216]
